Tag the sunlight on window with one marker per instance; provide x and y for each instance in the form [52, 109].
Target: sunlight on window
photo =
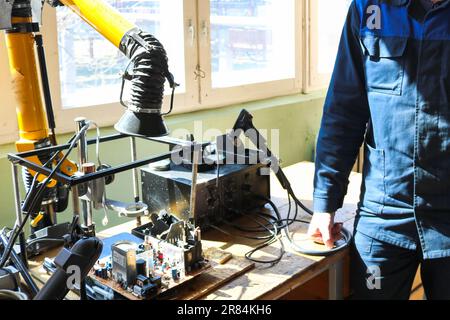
[332, 14]
[91, 67]
[252, 41]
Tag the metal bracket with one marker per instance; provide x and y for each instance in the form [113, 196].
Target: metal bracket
[176, 233]
[128, 210]
[5, 14]
[6, 7]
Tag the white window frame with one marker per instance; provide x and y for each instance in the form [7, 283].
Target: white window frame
[199, 94]
[313, 79]
[216, 97]
[110, 112]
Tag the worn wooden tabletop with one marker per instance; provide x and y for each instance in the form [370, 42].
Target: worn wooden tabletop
[264, 282]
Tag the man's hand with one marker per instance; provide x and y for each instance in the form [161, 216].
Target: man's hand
[323, 229]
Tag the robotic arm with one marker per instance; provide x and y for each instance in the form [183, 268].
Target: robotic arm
[148, 59]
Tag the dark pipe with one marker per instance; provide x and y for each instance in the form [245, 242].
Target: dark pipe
[18, 263]
[45, 86]
[83, 255]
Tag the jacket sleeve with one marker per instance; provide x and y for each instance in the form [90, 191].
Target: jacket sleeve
[344, 121]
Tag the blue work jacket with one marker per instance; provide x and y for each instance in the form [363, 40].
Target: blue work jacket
[391, 90]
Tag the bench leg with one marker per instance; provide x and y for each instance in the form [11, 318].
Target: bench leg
[336, 281]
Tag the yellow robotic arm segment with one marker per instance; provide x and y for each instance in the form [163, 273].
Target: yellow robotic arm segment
[102, 17]
[31, 117]
[148, 85]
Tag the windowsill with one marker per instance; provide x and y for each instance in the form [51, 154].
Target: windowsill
[287, 100]
[203, 114]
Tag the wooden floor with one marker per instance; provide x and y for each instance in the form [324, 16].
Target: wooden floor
[317, 289]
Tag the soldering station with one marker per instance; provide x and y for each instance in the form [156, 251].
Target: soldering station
[193, 188]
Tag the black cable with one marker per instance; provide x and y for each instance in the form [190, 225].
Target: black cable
[347, 236]
[42, 187]
[31, 242]
[260, 246]
[275, 238]
[260, 229]
[299, 203]
[265, 228]
[268, 240]
[172, 97]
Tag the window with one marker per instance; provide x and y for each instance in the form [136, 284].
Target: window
[327, 20]
[91, 67]
[221, 52]
[252, 41]
[248, 49]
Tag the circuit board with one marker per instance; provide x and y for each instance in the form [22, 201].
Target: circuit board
[162, 292]
[164, 267]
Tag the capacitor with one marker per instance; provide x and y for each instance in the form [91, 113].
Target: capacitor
[156, 281]
[88, 168]
[150, 266]
[141, 267]
[175, 274]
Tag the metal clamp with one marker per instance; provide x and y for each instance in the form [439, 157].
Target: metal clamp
[128, 210]
[5, 14]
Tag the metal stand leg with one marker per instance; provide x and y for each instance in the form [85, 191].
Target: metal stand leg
[19, 220]
[86, 206]
[135, 177]
[336, 282]
[197, 154]
[23, 269]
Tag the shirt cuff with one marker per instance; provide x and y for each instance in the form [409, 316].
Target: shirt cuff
[327, 204]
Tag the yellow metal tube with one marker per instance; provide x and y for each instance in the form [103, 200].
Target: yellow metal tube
[31, 116]
[106, 20]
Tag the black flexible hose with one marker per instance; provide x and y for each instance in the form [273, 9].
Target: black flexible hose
[150, 69]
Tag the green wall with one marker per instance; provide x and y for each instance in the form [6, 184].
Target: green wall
[297, 117]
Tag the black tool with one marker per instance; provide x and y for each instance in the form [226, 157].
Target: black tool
[80, 258]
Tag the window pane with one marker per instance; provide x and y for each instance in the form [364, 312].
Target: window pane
[332, 14]
[252, 41]
[91, 67]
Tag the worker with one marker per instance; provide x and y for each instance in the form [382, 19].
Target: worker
[391, 90]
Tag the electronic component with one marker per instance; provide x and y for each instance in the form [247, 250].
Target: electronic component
[156, 281]
[124, 263]
[181, 241]
[145, 292]
[141, 267]
[101, 271]
[142, 280]
[170, 190]
[175, 274]
[9, 278]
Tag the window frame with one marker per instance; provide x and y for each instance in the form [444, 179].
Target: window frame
[111, 112]
[313, 79]
[199, 93]
[216, 97]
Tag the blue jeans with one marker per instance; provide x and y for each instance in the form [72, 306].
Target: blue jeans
[379, 270]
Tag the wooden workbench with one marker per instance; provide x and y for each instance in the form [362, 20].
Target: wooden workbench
[294, 270]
